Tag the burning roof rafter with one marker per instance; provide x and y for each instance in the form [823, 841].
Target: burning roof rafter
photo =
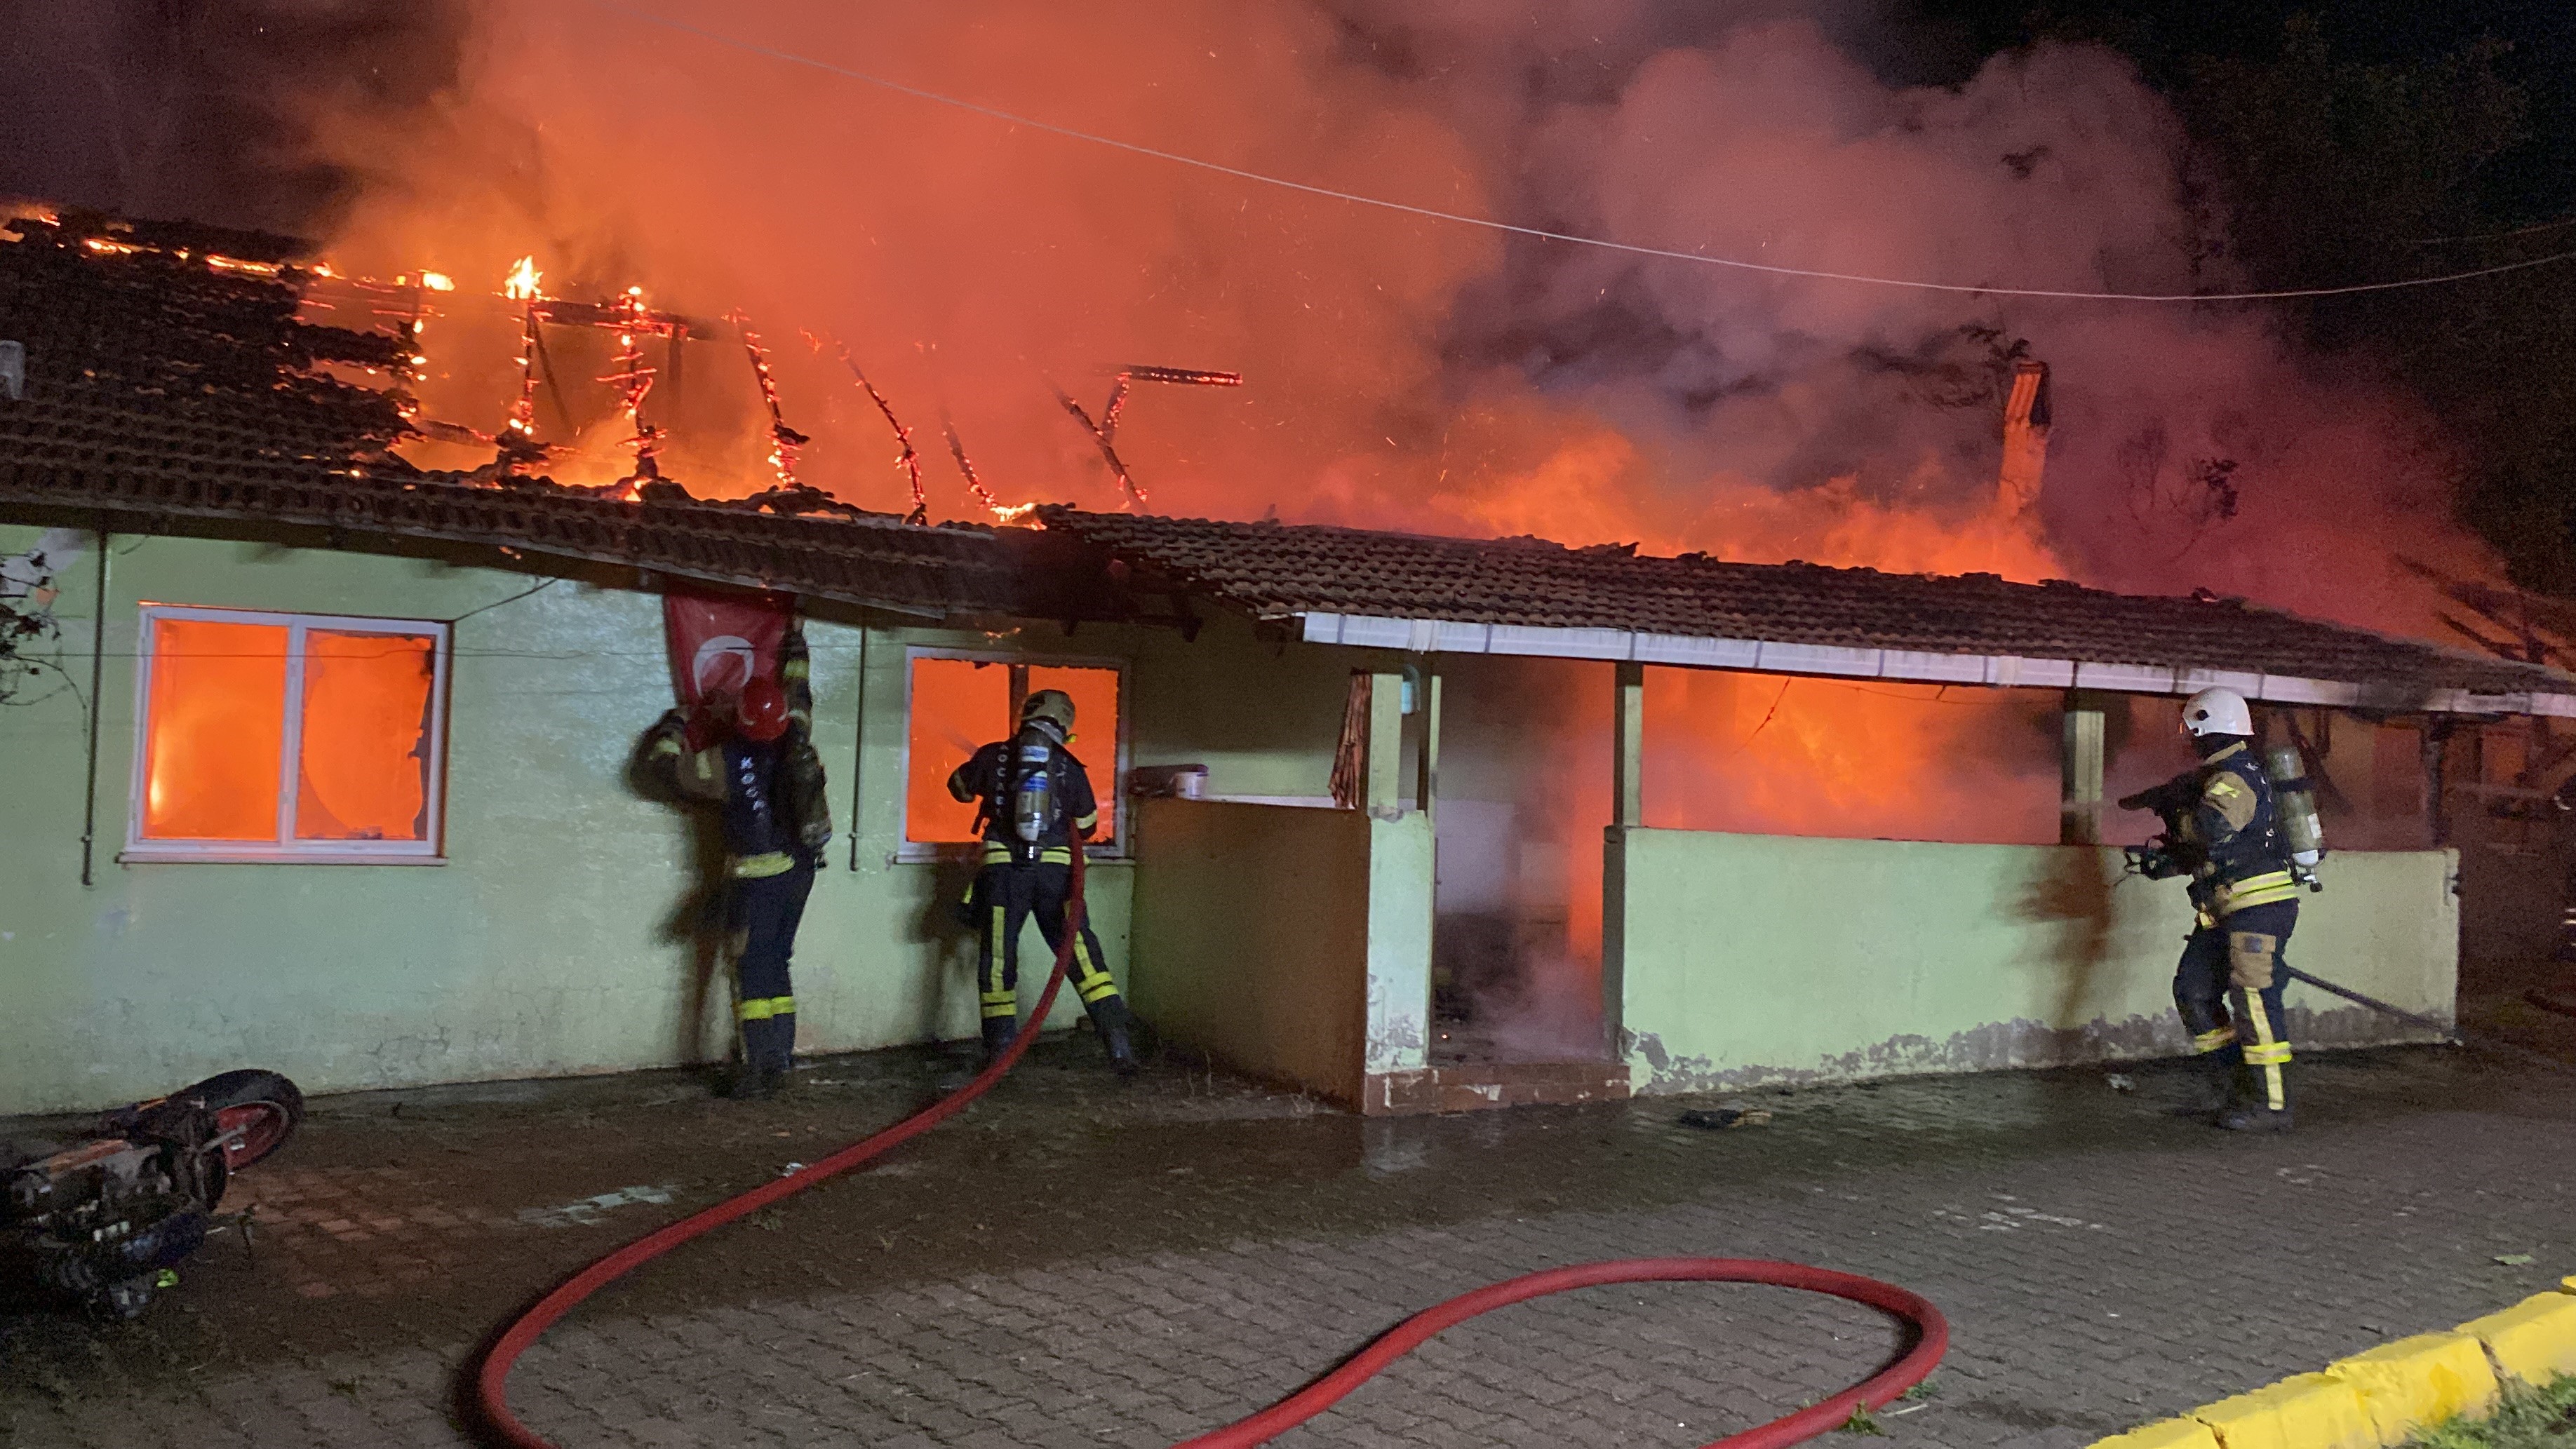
[1104, 433]
[386, 329]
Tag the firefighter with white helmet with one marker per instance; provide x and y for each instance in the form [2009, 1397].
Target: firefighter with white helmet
[2225, 828]
[1035, 807]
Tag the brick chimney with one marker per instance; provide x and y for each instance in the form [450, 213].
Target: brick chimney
[2025, 436]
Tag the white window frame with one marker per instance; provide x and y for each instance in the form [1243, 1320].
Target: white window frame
[286, 849]
[912, 852]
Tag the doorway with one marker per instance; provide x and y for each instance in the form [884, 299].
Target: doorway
[1522, 799]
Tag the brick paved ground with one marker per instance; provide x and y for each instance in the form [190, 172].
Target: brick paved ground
[1080, 1263]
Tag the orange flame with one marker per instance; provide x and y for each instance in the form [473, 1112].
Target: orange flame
[522, 283]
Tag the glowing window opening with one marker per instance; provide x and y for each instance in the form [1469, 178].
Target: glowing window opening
[927, 808]
[278, 738]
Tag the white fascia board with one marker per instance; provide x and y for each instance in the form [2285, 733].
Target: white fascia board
[2193, 681]
[2126, 678]
[1819, 659]
[2494, 703]
[1369, 631]
[2011, 671]
[1448, 637]
[1932, 668]
[1561, 643]
[2005, 671]
[1689, 653]
[2290, 689]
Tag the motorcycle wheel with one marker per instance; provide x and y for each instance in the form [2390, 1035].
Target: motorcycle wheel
[265, 1104]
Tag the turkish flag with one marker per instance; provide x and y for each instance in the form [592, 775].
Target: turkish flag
[720, 644]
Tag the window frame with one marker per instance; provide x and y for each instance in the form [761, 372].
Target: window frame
[909, 851]
[286, 849]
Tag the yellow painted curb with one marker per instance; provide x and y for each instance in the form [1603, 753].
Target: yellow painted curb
[2383, 1396]
[2171, 1434]
[2534, 1340]
[2309, 1411]
[2418, 1382]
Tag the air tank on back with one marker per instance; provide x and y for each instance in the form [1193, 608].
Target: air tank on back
[2294, 801]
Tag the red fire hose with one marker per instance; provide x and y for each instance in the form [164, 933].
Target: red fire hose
[1931, 1333]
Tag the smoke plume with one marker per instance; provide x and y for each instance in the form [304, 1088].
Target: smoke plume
[1410, 372]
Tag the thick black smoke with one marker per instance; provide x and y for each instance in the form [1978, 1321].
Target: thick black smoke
[206, 109]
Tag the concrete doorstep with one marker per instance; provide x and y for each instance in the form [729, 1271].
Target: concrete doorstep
[2387, 1395]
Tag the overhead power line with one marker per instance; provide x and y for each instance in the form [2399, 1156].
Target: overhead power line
[1542, 233]
[2484, 236]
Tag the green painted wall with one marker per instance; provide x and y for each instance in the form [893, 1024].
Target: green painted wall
[1754, 958]
[1252, 936]
[1262, 713]
[1400, 888]
[556, 939]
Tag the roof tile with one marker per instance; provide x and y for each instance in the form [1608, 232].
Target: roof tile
[1278, 570]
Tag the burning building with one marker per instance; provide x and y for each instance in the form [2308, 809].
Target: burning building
[320, 755]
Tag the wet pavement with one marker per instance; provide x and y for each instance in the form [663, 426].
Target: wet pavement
[1085, 1261]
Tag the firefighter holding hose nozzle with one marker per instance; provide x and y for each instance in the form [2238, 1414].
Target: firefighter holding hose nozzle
[752, 758]
[1035, 805]
[2248, 841]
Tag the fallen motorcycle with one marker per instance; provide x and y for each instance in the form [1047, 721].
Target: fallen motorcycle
[105, 1220]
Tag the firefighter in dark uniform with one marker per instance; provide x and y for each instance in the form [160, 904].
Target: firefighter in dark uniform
[757, 766]
[1035, 806]
[2223, 826]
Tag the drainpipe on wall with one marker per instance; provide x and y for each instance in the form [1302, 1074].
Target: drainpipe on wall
[859, 749]
[2025, 436]
[1627, 812]
[2079, 797]
[97, 675]
[2435, 743]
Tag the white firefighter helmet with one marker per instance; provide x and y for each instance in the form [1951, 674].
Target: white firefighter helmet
[2217, 712]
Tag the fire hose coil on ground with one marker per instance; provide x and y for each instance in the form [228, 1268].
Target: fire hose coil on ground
[1930, 1333]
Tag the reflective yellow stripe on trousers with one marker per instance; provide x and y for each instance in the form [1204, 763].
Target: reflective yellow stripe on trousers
[1090, 982]
[997, 853]
[762, 1008]
[2265, 1051]
[998, 1000]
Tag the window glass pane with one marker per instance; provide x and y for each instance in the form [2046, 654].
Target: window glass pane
[958, 705]
[1095, 732]
[218, 694]
[366, 736]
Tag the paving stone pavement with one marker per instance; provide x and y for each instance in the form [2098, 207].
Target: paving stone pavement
[1077, 1267]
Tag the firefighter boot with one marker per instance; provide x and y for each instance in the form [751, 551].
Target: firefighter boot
[1117, 1032]
[2215, 1089]
[2255, 1117]
[2252, 1110]
[780, 1068]
[998, 1034]
[751, 1084]
[755, 1079]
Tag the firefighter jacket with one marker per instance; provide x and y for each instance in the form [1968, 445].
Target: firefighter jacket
[2233, 829]
[769, 795]
[996, 776]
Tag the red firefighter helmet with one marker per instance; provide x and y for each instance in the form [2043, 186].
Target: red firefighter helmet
[761, 713]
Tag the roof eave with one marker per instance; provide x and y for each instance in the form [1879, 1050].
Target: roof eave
[1437, 636]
